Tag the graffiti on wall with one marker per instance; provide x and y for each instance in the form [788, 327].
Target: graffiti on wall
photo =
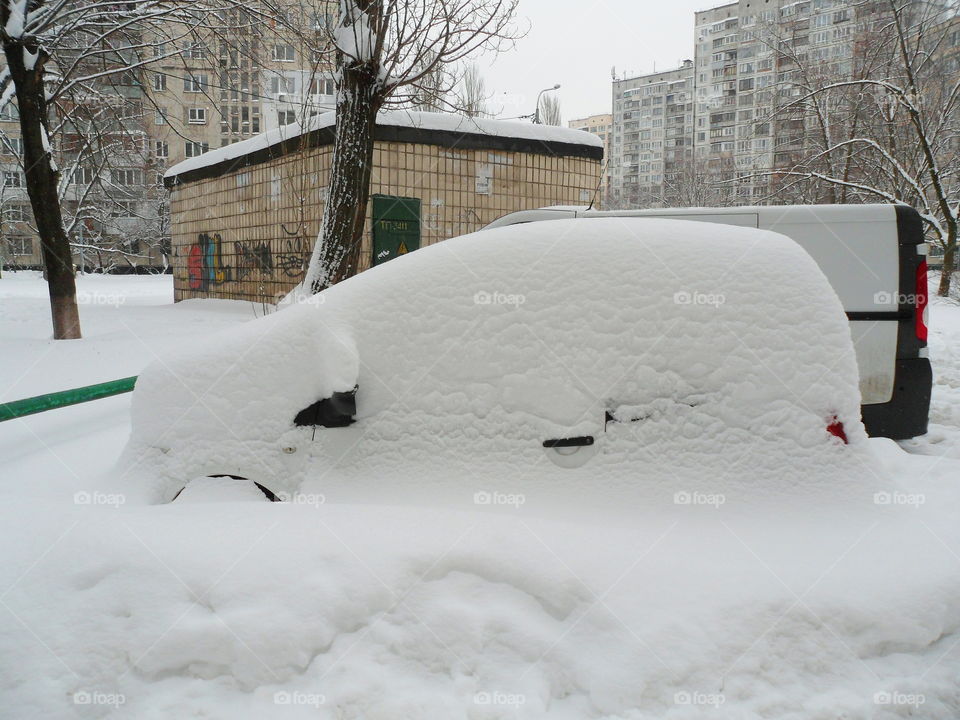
[253, 258]
[294, 258]
[205, 265]
[210, 263]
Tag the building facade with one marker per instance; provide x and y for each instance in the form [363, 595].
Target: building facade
[245, 218]
[736, 124]
[601, 126]
[652, 129]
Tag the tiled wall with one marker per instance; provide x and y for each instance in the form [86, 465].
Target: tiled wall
[248, 235]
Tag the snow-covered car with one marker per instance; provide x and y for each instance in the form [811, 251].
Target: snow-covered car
[646, 354]
[875, 258]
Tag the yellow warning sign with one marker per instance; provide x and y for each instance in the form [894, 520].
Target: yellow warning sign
[402, 250]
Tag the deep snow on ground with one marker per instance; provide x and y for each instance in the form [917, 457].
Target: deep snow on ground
[127, 322]
[845, 607]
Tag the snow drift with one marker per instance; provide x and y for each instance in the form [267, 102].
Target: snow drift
[698, 357]
[109, 608]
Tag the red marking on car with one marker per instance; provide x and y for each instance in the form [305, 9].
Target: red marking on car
[835, 428]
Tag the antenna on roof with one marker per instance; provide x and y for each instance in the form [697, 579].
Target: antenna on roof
[613, 72]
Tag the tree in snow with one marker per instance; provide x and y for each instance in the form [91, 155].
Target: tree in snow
[386, 50]
[72, 67]
[887, 128]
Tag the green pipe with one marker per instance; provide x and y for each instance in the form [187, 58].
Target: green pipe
[51, 401]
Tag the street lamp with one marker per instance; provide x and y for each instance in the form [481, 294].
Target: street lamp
[536, 115]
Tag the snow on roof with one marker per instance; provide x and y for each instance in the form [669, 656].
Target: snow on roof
[393, 118]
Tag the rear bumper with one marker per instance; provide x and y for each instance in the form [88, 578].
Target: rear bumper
[907, 413]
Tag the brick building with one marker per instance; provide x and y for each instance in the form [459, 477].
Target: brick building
[245, 217]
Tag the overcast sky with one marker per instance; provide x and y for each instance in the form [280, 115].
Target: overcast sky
[576, 44]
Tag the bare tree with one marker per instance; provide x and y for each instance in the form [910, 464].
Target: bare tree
[887, 128]
[473, 92]
[70, 68]
[386, 50]
[549, 110]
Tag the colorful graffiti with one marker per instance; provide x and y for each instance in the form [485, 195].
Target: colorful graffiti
[207, 266]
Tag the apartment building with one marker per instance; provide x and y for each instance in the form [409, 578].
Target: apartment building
[751, 60]
[228, 82]
[246, 77]
[19, 244]
[601, 126]
[653, 119]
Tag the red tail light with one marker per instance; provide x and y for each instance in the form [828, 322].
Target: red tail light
[921, 296]
[835, 428]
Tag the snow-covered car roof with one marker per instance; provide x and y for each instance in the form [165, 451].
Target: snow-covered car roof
[687, 352]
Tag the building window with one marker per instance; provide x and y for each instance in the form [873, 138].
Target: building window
[20, 245]
[195, 83]
[195, 149]
[285, 117]
[284, 52]
[126, 176]
[17, 213]
[197, 116]
[159, 117]
[322, 86]
[10, 112]
[161, 149]
[123, 209]
[280, 85]
[82, 176]
[12, 178]
[12, 146]
[195, 51]
[159, 82]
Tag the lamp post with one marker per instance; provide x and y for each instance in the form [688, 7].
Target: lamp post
[536, 115]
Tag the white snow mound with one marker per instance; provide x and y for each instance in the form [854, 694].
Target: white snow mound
[698, 356]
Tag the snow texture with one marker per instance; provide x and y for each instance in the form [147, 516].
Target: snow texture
[341, 611]
[356, 39]
[471, 353]
[16, 20]
[392, 118]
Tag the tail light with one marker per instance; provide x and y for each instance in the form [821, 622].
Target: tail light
[835, 428]
[920, 317]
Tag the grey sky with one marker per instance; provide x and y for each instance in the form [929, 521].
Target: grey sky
[576, 43]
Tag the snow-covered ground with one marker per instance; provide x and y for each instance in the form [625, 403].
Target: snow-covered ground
[832, 608]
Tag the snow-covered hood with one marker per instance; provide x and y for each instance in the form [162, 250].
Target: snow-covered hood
[698, 357]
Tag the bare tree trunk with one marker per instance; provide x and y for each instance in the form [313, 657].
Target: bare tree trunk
[42, 179]
[337, 254]
[949, 263]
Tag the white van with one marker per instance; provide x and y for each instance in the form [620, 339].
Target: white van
[875, 258]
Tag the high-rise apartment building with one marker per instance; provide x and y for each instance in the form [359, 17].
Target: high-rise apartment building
[652, 128]
[736, 124]
[248, 72]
